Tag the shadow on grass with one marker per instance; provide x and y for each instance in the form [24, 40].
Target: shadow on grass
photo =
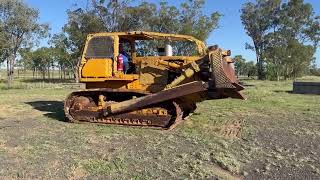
[247, 85]
[283, 91]
[54, 109]
[48, 80]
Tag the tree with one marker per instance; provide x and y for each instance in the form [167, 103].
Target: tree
[314, 70]
[112, 14]
[187, 19]
[285, 35]
[240, 65]
[252, 69]
[300, 58]
[19, 27]
[257, 20]
[297, 20]
[244, 68]
[275, 53]
[40, 60]
[298, 25]
[62, 55]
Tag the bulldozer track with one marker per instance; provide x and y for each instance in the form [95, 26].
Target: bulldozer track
[133, 118]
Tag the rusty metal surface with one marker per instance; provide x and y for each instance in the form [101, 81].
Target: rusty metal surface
[223, 74]
[169, 94]
[80, 107]
[220, 73]
[122, 119]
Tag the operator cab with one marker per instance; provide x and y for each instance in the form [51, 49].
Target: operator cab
[117, 55]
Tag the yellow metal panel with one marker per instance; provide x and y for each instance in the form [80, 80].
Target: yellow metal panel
[108, 84]
[83, 59]
[152, 74]
[97, 68]
[134, 85]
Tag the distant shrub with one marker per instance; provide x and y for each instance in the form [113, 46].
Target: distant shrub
[315, 71]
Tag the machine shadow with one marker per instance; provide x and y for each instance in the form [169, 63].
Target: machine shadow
[283, 91]
[53, 109]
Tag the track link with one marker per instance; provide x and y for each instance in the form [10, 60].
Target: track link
[164, 115]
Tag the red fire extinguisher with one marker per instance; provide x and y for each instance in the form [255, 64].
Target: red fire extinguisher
[120, 63]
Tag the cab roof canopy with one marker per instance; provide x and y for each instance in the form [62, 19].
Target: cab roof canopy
[143, 35]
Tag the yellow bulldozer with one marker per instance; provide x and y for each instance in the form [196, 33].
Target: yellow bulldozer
[148, 79]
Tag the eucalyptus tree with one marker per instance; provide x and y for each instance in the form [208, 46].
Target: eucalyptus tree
[41, 61]
[19, 27]
[298, 25]
[62, 55]
[188, 18]
[285, 35]
[244, 67]
[240, 65]
[257, 19]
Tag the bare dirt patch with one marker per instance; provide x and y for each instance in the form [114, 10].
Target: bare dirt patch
[232, 130]
[289, 149]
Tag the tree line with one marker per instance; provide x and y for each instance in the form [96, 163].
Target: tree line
[285, 34]
[66, 47]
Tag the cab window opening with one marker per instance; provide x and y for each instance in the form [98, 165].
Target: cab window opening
[100, 47]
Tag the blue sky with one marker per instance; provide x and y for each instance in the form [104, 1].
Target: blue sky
[230, 34]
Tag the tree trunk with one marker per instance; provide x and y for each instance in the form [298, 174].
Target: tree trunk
[261, 74]
[43, 74]
[8, 73]
[52, 75]
[76, 70]
[48, 71]
[10, 69]
[60, 72]
[285, 76]
[75, 74]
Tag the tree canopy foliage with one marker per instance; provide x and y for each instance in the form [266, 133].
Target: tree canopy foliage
[18, 28]
[187, 19]
[285, 35]
[244, 68]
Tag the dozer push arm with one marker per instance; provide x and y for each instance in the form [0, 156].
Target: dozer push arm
[186, 74]
[168, 94]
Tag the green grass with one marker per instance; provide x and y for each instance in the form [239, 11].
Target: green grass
[279, 133]
[103, 167]
[309, 78]
[25, 80]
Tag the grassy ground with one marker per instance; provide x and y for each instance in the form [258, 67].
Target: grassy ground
[272, 135]
[26, 80]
